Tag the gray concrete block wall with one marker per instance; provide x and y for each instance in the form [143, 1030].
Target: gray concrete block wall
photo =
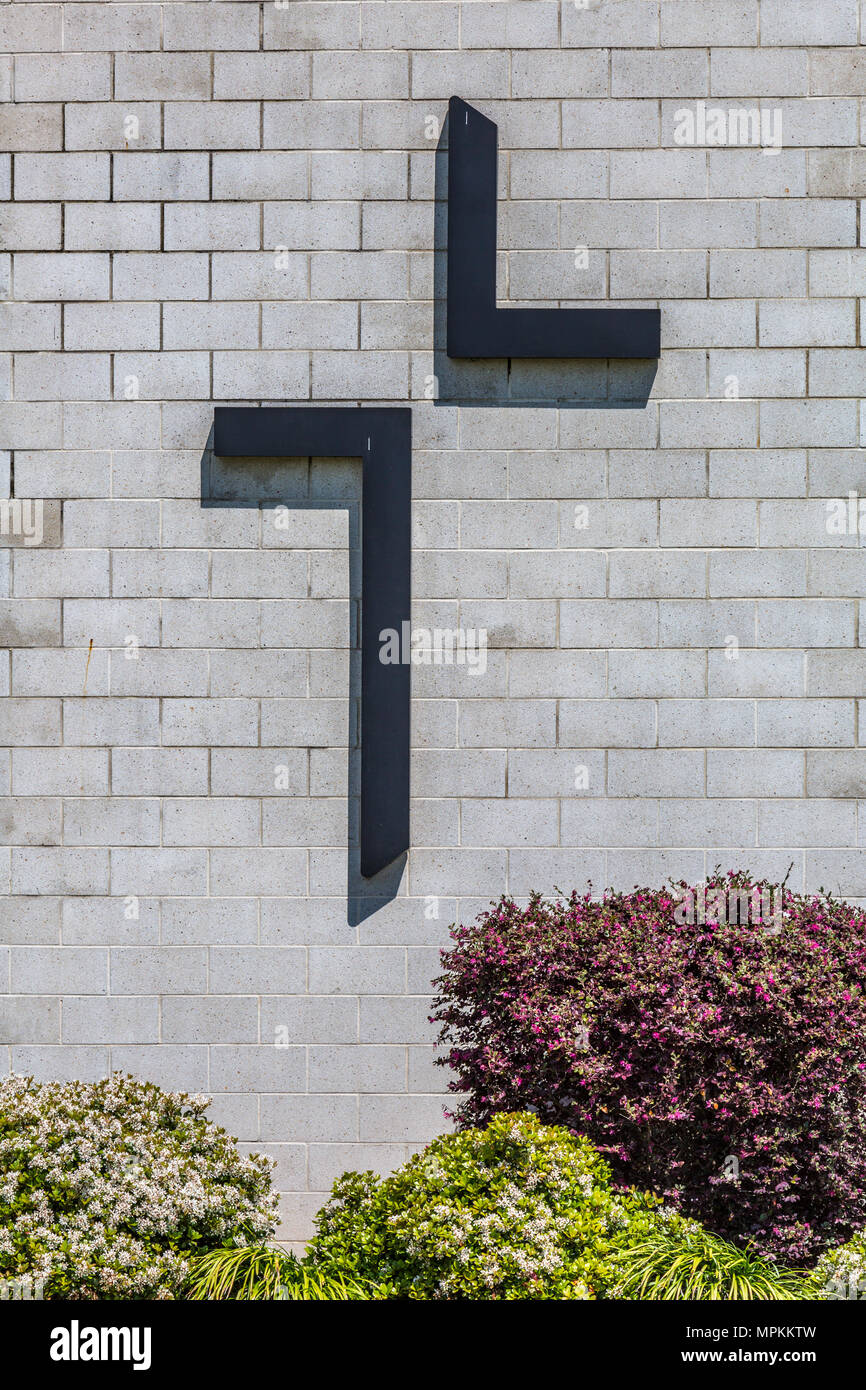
[237, 201]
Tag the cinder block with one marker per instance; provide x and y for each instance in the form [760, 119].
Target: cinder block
[29, 1019]
[797, 23]
[597, 27]
[711, 224]
[111, 326]
[766, 273]
[58, 970]
[719, 323]
[172, 275]
[96, 27]
[32, 127]
[814, 222]
[211, 125]
[160, 574]
[238, 275]
[332, 125]
[227, 26]
[756, 772]
[345, 76]
[762, 372]
[635, 72]
[318, 24]
[53, 673]
[30, 721]
[819, 423]
[529, 868]
[146, 871]
[106, 921]
[542, 173]
[208, 722]
[29, 821]
[59, 871]
[708, 723]
[724, 22]
[455, 871]
[209, 921]
[559, 75]
[66, 177]
[217, 226]
[737, 173]
[159, 772]
[657, 274]
[161, 375]
[806, 723]
[655, 575]
[837, 173]
[730, 424]
[30, 226]
[99, 721]
[835, 372]
[362, 1069]
[60, 76]
[158, 970]
[808, 323]
[165, 76]
[742, 72]
[649, 674]
[437, 75]
[66, 473]
[302, 225]
[210, 623]
[163, 177]
[94, 820]
[112, 227]
[269, 174]
[253, 76]
[115, 1020]
[68, 772]
[836, 72]
[368, 375]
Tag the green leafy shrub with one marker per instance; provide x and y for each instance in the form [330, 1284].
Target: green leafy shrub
[517, 1210]
[107, 1190]
[258, 1272]
[682, 1260]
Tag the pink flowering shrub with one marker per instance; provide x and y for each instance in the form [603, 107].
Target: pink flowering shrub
[720, 1062]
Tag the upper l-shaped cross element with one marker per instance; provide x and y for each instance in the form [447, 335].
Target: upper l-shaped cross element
[476, 328]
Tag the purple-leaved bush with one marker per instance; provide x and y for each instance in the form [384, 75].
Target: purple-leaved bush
[719, 1063]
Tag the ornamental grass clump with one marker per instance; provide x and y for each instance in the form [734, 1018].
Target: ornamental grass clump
[261, 1273]
[108, 1190]
[715, 1056]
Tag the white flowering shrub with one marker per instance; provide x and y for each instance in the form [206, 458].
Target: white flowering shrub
[107, 1190]
[516, 1210]
[841, 1273]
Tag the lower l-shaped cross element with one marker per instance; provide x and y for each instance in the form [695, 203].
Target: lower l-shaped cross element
[382, 438]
